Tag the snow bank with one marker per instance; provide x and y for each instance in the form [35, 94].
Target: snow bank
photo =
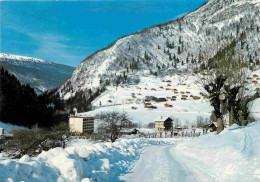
[81, 161]
[233, 155]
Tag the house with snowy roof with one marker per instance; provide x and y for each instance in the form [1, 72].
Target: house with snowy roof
[163, 124]
[212, 127]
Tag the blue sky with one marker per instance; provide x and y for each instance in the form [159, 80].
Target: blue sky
[66, 32]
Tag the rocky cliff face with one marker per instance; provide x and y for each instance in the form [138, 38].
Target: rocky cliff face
[172, 46]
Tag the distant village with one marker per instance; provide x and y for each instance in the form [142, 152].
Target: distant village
[85, 125]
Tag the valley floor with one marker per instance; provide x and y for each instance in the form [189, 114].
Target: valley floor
[231, 156]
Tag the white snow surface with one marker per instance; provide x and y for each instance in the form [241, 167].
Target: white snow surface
[231, 156]
[126, 97]
[81, 161]
[21, 58]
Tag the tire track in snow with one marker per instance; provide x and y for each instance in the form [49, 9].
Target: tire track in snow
[157, 164]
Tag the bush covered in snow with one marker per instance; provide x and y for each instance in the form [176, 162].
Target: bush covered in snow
[80, 162]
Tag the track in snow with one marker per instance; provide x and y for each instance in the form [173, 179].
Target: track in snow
[157, 164]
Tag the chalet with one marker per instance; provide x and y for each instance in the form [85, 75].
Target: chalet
[150, 98]
[78, 124]
[153, 89]
[161, 87]
[126, 123]
[129, 131]
[187, 92]
[161, 99]
[163, 124]
[152, 107]
[167, 105]
[168, 81]
[169, 85]
[147, 105]
[254, 81]
[196, 98]
[179, 129]
[257, 89]
[134, 108]
[212, 127]
[182, 92]
[255, 75]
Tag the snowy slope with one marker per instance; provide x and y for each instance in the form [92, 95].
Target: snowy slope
[41, 75]
[231, 156]
[11, 57]
[172, 46]
[131, 98]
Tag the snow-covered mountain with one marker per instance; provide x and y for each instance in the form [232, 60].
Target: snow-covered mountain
[41, 75]
[172, 46]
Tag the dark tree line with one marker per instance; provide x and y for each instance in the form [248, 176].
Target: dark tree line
[20, 104]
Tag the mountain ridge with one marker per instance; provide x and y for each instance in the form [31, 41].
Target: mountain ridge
[172, 46]
[40, 74]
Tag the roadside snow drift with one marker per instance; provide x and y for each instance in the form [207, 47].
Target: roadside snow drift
[81, 161]
[233, 155]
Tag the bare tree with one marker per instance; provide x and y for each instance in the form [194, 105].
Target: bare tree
[223, 78]
[150, 125]
[60, 135]
[25, 141]
[110, 124]
[34, 141]
[199, 121]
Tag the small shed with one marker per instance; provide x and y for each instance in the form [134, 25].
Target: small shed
[167, 105]
[179, 129]
[213, 127]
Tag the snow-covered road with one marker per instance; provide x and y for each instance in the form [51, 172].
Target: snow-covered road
[157, 163]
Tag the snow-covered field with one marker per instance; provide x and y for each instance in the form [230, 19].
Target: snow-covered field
[125, 98]
[131, 98]
[81, 161]
[232, 156]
